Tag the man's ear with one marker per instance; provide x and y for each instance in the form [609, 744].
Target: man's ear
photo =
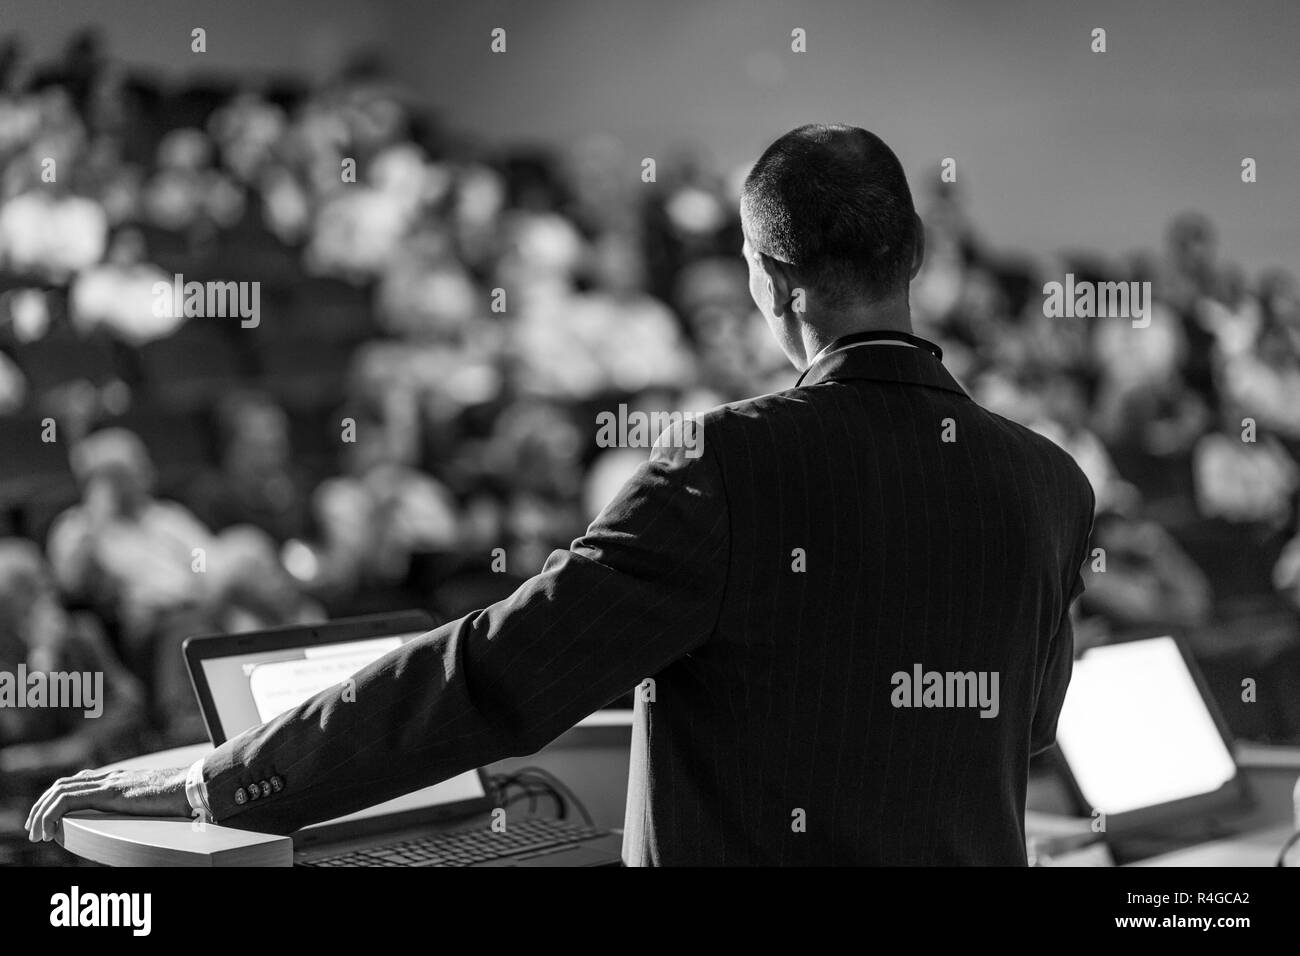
[918, 245]
[781, 282]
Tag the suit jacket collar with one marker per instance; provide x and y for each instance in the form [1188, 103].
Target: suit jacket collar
[882, 363]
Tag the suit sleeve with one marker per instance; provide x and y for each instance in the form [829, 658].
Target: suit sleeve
[1052, 687]
[642, 588]
[1060, 655]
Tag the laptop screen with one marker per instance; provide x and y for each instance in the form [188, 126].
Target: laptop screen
[251, 687]
[1135, 730]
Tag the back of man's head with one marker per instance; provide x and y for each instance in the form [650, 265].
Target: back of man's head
[833, 203]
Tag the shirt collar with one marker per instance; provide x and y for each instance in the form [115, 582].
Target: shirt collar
[843, 360]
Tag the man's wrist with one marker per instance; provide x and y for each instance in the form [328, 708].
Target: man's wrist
[196, 792]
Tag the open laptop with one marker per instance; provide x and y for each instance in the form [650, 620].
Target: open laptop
[243, 680]
[1142, 741]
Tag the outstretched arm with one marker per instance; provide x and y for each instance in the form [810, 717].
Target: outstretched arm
[640, 589]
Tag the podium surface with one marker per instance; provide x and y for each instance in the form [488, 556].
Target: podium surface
[591, 758]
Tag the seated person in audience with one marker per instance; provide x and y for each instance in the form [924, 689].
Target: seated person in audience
[1143, 397]
[377, 515]
[535, 451]
[1244, 481]
[121, 548]
[117, 294]
[35, 630]
[1265, 376]
[1148, 580]
[257, 483]
[735, 354]
[251, 589]
[1057, 408]
[248, 589]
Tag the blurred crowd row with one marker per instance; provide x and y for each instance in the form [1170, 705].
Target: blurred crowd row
[434, 341]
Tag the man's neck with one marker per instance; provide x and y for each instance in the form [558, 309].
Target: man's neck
[890, 315]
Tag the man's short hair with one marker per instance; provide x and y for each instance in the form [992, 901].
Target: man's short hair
[833, 202]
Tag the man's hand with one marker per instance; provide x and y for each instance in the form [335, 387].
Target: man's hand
[158, 793]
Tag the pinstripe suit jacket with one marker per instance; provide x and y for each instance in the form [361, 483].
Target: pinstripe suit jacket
[827, 539]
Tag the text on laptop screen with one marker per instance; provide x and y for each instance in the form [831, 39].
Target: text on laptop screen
[1136, 731]
[249, 689]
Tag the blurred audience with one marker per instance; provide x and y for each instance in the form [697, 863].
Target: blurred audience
[37, 631]
[441, 323]
[136, 557]
[257, 482]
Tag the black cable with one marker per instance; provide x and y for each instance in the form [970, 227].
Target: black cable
[1291, 841]
[563, 788]
[502, 783]
[531, 795]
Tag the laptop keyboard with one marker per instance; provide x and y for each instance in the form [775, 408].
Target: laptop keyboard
[467, 847]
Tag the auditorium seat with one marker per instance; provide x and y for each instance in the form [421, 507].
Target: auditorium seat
[249, 251]
[168, 249]
[331, 310]
[304, 372]
[27, 463]
[314, 436]
[63, 357]
[191, 368]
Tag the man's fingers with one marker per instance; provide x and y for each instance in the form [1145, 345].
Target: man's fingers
[160, 792]
[38, 808]
[35, 822]
[66, 802]
[75, 778]
[34, 812]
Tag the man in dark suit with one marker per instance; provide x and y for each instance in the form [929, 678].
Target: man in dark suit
[850, 598]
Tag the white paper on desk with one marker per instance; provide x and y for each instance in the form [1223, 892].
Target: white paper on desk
[282, 685]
